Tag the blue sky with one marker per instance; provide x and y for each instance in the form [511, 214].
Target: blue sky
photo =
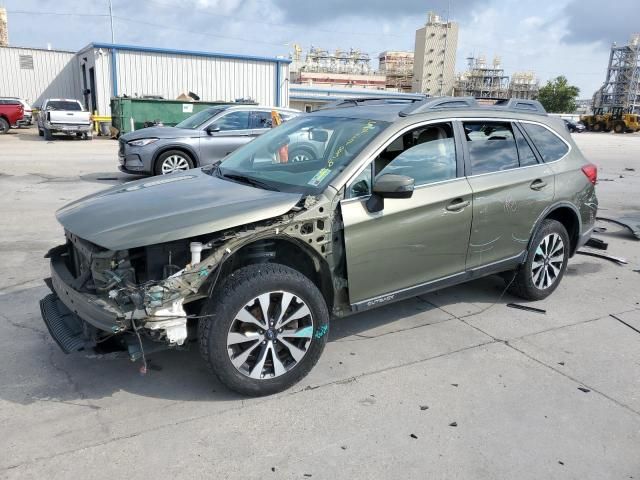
[568, 37]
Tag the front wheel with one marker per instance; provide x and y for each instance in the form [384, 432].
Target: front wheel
[264, 329]
[546, 262]
[172, 161]
[620, 127]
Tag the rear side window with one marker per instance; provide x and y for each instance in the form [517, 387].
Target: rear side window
[492, 146]
[526, 155]
[64, 105]
[261, 120]
[549, 145]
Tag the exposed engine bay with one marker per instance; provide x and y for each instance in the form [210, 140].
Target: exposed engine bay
[156, 292]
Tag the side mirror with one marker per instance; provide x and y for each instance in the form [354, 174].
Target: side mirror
[389, 186]
[318, 135]
[213, 129]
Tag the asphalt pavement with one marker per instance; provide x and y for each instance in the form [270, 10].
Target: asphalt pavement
[450, 385]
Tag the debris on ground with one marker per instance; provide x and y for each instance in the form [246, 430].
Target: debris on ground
[454, 384]
[629, 169]
[561, 363]
[343, 447]
[453, 424]
[273, 469]
[624, 323]
[424, 407]
[630, 222]
[583, 389]
[526, 308]
[597, 244]
[413, 435]
[618, 260]
[560, 462]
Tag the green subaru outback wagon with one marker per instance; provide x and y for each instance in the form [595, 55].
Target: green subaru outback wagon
[253, 256]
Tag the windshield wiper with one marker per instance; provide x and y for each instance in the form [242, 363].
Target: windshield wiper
[248, 180]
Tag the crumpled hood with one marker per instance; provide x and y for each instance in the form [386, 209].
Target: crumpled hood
[160, 132]
[172, 207]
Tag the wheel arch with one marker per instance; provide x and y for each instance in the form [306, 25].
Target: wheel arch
[290, 252]
[568, 215]
[181, 147]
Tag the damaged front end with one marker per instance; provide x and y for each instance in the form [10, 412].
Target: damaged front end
[150, 297]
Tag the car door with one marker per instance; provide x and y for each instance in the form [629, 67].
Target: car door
[511, 188]
[260, 121]
[411, 242]
[223, 135]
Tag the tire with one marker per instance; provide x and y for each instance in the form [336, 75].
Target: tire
[172, 157]
[224, 307]
[47, 134]
[529, 282]
[597, 127]
[302, 154]
[620, 127]
[4, 126]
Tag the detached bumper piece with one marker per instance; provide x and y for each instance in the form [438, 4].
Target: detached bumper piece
[63, 325]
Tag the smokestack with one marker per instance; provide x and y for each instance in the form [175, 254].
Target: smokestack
[4, 28]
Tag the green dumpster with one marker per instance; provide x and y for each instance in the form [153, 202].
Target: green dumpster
[129, 114]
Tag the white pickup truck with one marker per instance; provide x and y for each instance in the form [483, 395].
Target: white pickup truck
[64, 116]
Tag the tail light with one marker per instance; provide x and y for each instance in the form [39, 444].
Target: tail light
[591, 171]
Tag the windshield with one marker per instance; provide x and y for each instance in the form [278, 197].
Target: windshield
[302, 155]
[64, 105]
[199, 119]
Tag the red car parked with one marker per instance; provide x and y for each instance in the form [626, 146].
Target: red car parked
[10, 112]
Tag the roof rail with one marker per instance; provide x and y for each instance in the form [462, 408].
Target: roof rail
[438, 103]
[356, 101]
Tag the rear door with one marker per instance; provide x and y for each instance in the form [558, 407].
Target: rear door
[233, 132]
[511, 188]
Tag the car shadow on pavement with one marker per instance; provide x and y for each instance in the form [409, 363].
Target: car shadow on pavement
[39, 371]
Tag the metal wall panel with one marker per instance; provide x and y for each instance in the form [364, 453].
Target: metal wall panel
[55, 74]
[212, 78]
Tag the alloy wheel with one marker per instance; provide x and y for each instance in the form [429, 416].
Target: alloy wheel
[174, 163]
[547, 261]
[270, 335]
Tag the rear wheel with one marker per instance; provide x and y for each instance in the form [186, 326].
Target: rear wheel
[266, 328]
[173, 161]
[546, 262]
[598, 127]
[4, 126]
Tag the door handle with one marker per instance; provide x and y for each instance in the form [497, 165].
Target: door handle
[538, 184]
[458, 204]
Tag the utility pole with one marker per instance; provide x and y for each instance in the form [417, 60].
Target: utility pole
[111, 20]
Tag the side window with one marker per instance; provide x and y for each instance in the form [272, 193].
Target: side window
[426, 154]
[261, 120]
[549, 145]
[492, 146]
[361, 185]
[233, 121]
[526, 155]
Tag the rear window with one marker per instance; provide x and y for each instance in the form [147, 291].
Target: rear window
[64, 105]
[492, 146]
[549, 145]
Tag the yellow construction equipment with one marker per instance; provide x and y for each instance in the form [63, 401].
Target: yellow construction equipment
[614, 120]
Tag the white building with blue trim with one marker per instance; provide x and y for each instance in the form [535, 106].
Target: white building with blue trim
[101, 71]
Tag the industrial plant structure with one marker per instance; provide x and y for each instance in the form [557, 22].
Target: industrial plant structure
[435, 57]
[483, 80]
[4, 28]
[342, 68]
[397, 67]
[621, 89]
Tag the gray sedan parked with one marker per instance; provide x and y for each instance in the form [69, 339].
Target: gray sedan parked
[204, 138]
